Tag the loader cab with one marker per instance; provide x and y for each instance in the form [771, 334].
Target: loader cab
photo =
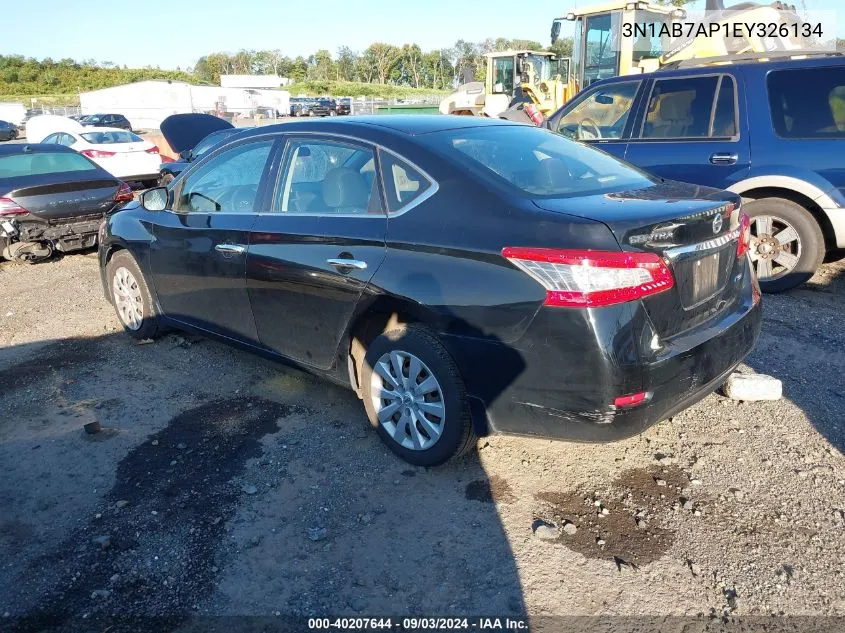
[508, 69]
[615, 38]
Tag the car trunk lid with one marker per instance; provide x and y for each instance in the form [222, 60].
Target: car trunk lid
[694, 229]
[59, 197]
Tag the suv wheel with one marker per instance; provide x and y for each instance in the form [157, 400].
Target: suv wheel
[415, 397]
[787, 245]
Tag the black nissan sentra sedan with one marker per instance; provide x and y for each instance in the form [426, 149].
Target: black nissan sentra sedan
[464, 275]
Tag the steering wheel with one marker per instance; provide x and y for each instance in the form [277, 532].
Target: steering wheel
[588, 123]
[240, 198]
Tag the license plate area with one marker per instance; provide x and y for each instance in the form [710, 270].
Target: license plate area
[701, 276]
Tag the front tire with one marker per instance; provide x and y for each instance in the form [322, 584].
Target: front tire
[131, 298]
[787, 245]
[415, 397]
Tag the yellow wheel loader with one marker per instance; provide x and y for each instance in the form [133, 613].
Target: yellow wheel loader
[622, 37]
[618, 37]
[513, 79]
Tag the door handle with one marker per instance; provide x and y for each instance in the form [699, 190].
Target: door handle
[723, 158]
[230, 249]
[347, 263]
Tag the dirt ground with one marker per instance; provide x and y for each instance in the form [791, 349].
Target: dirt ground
[223, 484]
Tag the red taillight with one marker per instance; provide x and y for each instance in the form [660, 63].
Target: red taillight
[631, 400]
[591, 279]
[744, 243]
[96, 153]
[166, 159]
[10, 207]
[152, 150]
[124, 193]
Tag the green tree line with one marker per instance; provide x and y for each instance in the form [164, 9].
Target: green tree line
[21, 75]
[380, 64]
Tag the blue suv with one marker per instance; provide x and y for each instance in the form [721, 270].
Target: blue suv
[772, 131]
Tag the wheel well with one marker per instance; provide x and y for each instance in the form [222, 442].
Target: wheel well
[367, 327]
[114, 248]
[788, 194]
[382, 318]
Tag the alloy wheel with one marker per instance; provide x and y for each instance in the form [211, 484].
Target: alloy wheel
[775, 247]
[408, 400]
[127, 298]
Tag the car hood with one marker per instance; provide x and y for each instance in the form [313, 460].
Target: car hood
[184, 131]
[40, 127]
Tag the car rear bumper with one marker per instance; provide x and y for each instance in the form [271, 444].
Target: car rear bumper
[561, 378]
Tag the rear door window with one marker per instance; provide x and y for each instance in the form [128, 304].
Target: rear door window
[680, 108]
[808, 102]
[328, 177]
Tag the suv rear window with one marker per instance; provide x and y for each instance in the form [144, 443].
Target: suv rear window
[537, 162]
[808, 102]
[18, 165]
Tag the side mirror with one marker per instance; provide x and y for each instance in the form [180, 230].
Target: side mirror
[155, 199]
[604, 99]
[186, 154]
[555, 32]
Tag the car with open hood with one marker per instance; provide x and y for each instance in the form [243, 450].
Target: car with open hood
[190, 135]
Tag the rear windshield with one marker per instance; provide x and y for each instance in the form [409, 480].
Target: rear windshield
[106, 138]
[19, 165]
[536, 161]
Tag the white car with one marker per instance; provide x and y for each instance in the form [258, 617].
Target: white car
[123, 154]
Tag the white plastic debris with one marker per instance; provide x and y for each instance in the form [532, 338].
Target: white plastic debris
[752, 387]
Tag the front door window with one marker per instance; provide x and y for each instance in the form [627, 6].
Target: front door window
[602, 114]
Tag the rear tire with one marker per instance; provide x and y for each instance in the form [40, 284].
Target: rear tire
[407, 420]
[787, 244]
[131, 298]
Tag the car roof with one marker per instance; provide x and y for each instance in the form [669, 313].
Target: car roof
[411, 125]
[98, 128]
[705, 68]
[33, 148]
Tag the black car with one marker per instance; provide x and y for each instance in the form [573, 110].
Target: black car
[8, 131]
[301, 106]
[52, 199]
[344, 106]
[107, 120]
[324, 107]
[464, 275]
[190, 135]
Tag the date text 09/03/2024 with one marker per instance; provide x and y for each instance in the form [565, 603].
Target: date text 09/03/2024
[418, 624]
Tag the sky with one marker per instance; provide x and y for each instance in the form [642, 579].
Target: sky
[142, 33]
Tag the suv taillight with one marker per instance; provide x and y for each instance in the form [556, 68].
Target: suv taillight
[152, 150]
[124, 193]
[591, 279]
[744, 243]
[10, 207]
